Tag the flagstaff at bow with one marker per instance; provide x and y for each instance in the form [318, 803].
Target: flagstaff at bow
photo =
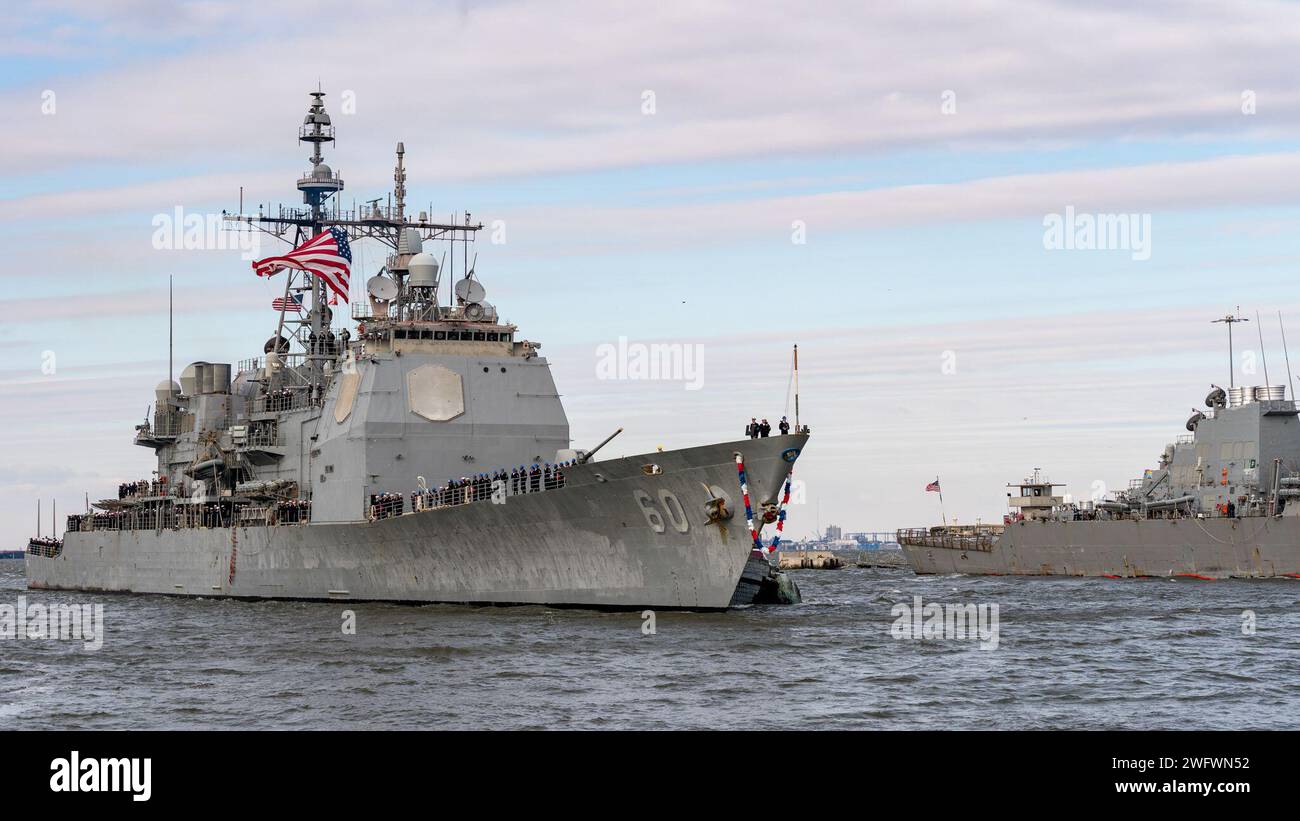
[933, 487]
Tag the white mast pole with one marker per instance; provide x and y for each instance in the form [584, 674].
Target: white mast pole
[1263, 355]
[1290, 379]
[939, 485]
[797, 429]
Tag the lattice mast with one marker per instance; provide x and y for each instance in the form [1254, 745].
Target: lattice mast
[320, 188]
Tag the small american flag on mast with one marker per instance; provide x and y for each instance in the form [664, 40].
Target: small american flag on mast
[293, 303]
[933, 487]
[327, 255]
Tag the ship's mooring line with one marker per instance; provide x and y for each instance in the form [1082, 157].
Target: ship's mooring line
[1253, 537]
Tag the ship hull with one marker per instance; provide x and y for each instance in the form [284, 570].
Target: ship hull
[1257, 547]
[618, 535]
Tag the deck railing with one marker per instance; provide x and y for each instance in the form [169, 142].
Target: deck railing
[276, 402]
[47, 548]
[483, 490]
[178, 517]
[947, 539]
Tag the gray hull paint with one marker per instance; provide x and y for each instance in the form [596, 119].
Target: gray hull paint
[612, 543]
[1256, 547]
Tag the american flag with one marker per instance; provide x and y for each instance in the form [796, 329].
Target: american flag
[293, 303]
[326, 255]
[933, 487]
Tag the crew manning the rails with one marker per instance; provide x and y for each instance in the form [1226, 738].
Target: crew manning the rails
[44, 546]
[144, 487]
[756, 429]
[484, 486]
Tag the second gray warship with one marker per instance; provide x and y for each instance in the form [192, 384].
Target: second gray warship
[1222, 502]
[302, 473]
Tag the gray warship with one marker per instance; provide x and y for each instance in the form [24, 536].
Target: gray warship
[301, 474]
[1222, 502]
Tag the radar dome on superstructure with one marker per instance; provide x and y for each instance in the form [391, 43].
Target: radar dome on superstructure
[422, 271]
[167, 389]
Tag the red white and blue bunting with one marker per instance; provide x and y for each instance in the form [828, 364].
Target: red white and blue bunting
[780, 519]
[749, 510]
[744, 492]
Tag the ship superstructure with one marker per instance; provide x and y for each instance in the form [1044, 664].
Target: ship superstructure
[423, 456]
[1220, 502]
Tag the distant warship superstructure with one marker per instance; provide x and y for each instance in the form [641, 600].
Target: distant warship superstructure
[302, 474]
[1223, 501]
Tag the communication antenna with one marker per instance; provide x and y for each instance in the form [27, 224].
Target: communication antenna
[1231, 320]
[322, 188]
[797, 429]
[1287, 353]
[170, 323]
[382, 288]
[1263, 355]
[399, 183]
[450, 286]
[469, 290]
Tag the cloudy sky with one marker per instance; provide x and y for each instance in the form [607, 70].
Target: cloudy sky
[869, 180]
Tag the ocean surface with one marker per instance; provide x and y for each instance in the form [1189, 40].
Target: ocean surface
[1071, 653]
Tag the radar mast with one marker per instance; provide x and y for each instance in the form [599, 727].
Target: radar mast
[1230, 320]
[389, 224]
[317, 186]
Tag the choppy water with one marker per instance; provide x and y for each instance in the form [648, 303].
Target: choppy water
[1073, 653]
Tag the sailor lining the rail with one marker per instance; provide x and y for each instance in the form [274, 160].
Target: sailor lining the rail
[144, 487]
[386, 505]
[479, 487]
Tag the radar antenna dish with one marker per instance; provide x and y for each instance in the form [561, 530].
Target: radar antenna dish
[382, 288]
[470, 290]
